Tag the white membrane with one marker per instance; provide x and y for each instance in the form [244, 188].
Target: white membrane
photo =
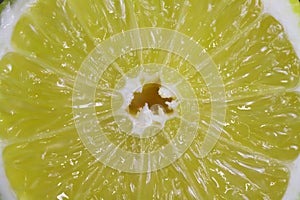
[282, 11]
[9, 18]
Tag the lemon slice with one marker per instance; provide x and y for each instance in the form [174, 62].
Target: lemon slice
[150, 99]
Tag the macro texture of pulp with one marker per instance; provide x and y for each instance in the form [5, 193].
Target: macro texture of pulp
[70, 71]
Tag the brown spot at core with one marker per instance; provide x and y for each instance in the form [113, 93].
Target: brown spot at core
[150, 96]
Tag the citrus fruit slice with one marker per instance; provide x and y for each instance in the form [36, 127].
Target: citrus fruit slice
[149, 99]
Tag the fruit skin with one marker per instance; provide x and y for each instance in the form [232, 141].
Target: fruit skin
[191, 170]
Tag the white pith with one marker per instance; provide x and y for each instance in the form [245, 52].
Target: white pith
[147, 116]
[9, 18]
[283, 12]
[280, 9]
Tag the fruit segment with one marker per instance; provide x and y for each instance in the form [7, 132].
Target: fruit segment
[273, 130]
[149, 100]
[261, 56]
[35, 101]
[51, 35]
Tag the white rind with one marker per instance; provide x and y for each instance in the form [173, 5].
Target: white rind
[282, 11]
[9, 17]
[293, 190]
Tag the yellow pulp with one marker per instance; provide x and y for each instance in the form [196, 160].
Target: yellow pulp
[44, 157]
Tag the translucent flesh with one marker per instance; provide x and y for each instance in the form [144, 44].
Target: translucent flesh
[44, 156]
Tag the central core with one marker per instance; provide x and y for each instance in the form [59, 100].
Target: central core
[150, 95]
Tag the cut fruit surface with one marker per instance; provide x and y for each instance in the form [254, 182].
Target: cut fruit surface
[150, 96]
[134, 99]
